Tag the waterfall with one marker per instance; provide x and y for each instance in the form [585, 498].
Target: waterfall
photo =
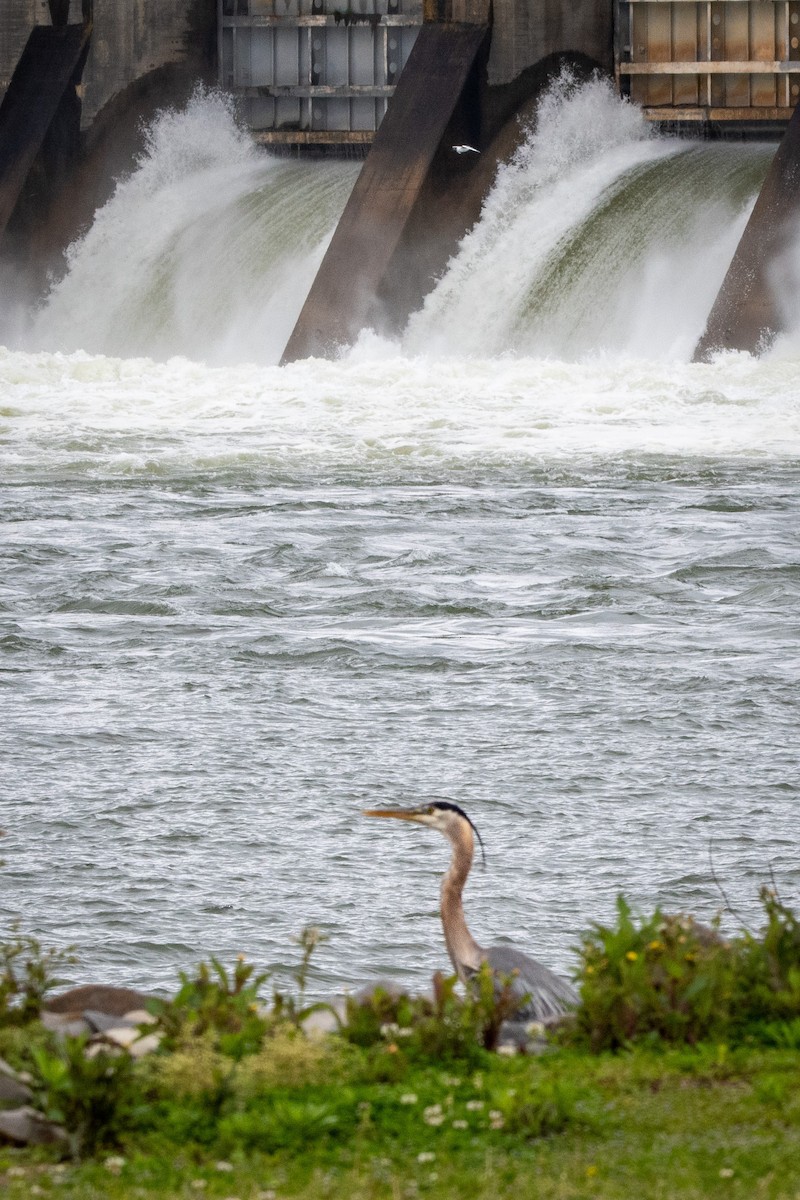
[207, 250]
[600, 236]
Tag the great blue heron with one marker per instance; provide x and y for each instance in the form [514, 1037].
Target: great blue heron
[544, 996]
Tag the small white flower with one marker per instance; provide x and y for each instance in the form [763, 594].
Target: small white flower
[199, 1185]
[390, 1031]
[114, 1163]
[426, 1156]
[474, 1105]
[223, 1166]
[726, 1173]
[408, 1098]
[496, 1119]
[460, 1124]
[507, 1050]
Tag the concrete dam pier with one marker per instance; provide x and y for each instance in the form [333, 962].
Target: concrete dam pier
[439, 93]
[433, 162]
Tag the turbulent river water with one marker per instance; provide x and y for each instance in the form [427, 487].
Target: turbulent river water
[527, 558]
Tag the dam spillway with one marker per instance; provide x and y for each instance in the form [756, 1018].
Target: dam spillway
[454, 70]
[600, 236]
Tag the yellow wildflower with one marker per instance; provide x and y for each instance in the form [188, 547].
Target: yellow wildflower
[631, 956]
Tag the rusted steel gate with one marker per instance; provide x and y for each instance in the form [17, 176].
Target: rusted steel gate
[710, 60]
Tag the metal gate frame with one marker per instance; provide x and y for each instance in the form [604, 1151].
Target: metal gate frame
[709, 60]
[315, 71]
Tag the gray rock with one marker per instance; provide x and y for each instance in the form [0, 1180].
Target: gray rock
[130, 1038]
[12, 1091]
[100, 1022]
[28, 1127]
[125, 1037]
[114, 1001]
[322, 1021]
[139, 1016]
[65, 1024]
[7, 1069]
[395, 990]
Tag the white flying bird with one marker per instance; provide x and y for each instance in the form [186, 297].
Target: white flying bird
[465, 150]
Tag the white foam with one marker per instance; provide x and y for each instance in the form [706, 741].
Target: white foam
[597, 237]
[397, 417]
[207, 250]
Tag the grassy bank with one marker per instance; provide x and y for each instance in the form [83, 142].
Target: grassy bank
[678, 1077]
[704, 1122]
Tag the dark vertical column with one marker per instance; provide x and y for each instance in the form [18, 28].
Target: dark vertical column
[361, 258]
[49, 67]
[745, 314]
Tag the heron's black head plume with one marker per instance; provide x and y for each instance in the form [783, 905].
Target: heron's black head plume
[455, 808]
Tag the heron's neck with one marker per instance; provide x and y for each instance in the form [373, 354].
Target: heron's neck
[465, 953]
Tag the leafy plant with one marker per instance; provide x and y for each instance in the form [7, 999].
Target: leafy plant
[282, 1122]
[294, 1008]
[27, 973]
[217, 1004]
[441, 1027]
[767, 985]
[668, 978]
[659, 976]
[92, 1097]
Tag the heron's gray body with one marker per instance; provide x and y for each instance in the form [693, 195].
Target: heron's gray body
[545, 996]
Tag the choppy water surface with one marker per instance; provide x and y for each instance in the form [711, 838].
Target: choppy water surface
[239, 603]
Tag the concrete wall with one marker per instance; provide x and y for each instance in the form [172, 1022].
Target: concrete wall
[130, 39]
[526, 31]
[16, 20]
[134, 37]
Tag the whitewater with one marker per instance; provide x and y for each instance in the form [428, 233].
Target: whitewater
[526, 556]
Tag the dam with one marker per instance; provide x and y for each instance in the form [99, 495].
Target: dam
[403, 82]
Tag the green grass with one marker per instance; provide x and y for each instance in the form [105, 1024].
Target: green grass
[685, 1123]
[677, 1078]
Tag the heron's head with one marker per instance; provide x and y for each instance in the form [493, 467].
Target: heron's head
[448, 818]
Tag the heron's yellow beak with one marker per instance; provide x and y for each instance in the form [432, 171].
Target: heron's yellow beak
[399, 813]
